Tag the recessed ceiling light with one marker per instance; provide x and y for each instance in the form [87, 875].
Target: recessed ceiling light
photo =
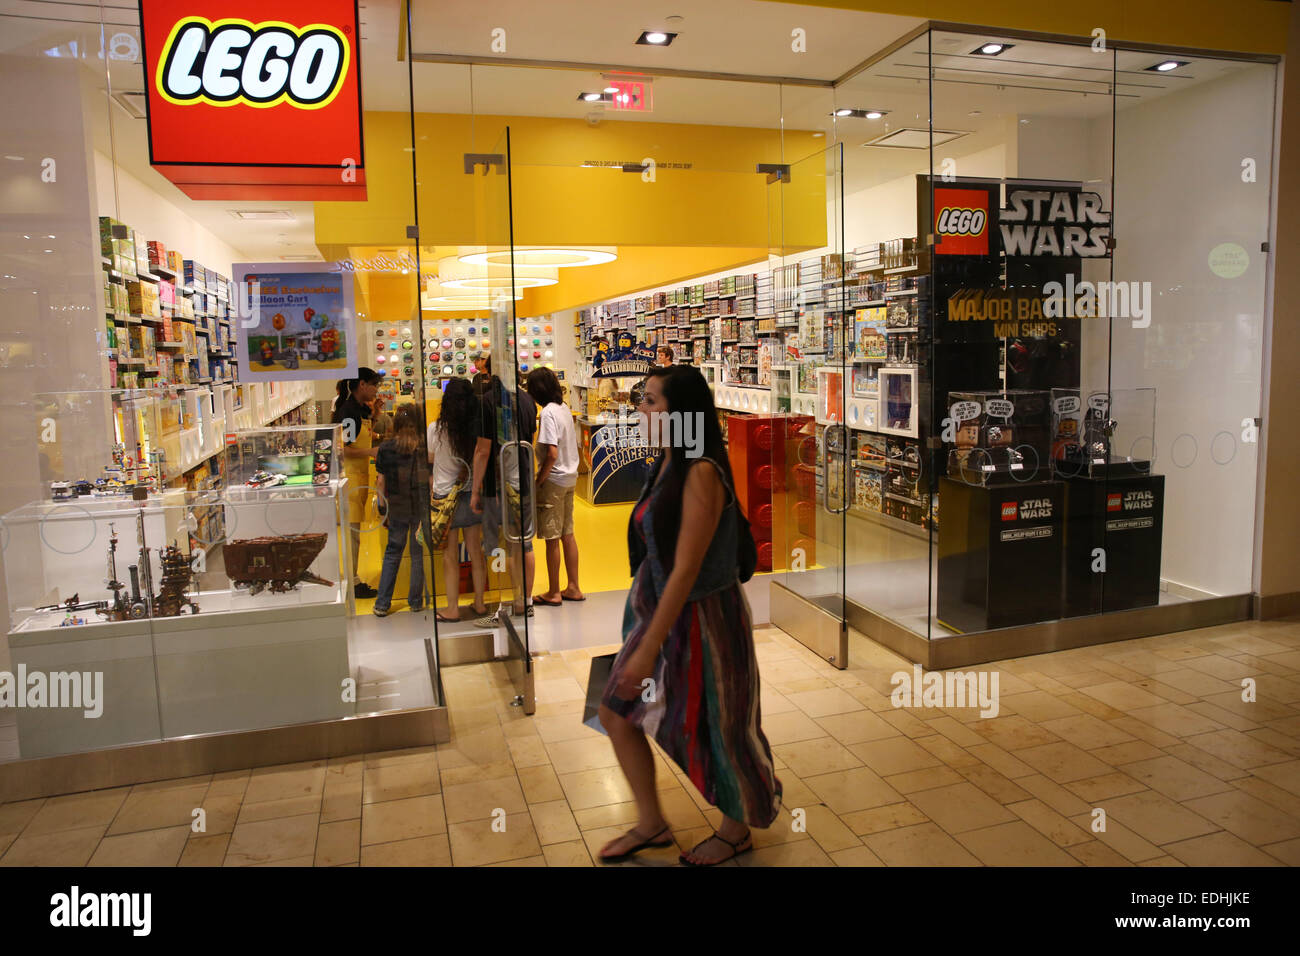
[591, 97]
[991, 49]
[611, 89]
[859, 114]
[1164, 66]
[844, 112]
[51, 237]
[873, 114]
[16, 159]
[656, 38]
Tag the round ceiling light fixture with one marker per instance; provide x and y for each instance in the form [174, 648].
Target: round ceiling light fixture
[551, 258]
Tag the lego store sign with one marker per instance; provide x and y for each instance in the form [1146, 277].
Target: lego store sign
[255, 100]
[961, 222]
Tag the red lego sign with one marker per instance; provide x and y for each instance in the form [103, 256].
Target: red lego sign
[255, 100]
[961, 222]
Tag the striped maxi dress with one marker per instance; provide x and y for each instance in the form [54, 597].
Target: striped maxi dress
[706, 709]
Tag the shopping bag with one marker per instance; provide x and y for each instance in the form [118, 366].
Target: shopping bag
[596, 681]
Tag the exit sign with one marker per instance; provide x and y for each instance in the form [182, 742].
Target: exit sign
[634, 95]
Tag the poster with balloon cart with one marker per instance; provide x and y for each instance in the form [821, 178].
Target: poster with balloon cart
[295, 323]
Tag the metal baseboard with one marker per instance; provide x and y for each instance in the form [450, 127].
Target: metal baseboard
[214, 753]
[1271, 606]
[816, 628]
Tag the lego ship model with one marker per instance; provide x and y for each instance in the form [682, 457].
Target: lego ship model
[280, 562]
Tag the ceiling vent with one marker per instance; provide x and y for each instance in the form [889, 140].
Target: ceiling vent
[261, 214]
[132, 101]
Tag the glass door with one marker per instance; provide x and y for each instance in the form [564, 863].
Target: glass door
[809, 472]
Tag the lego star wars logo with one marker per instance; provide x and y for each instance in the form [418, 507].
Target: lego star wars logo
[961, 222]
[1130, 501]
[261, 64]
[1040, 222]
[1032, 508]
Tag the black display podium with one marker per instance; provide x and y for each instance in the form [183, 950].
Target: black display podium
[1125, 518]
[999, 554]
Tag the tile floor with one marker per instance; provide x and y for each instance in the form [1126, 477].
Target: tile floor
[1154, 732]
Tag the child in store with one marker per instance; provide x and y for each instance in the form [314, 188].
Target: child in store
[402, 463]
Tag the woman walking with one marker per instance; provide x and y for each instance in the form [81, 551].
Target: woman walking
[687, 626]
[451, 442]
[557, 477]
[403, 466]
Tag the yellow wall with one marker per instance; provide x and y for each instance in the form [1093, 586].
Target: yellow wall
[1245, 26]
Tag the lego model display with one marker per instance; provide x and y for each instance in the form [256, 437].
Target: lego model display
[281, 562]
[1084, 434]
[998, 437]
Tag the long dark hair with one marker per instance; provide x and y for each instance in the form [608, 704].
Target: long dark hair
[347, 386]
[458, 416]
[687, 393]
[408, 430]
[544, 387]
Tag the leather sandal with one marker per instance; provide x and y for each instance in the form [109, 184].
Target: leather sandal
[653, 841]
[735, 849]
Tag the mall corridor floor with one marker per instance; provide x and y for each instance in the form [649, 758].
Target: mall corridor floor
[1153, 732]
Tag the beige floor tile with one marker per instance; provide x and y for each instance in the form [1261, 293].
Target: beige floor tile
[782, 830]
[342, 801]
[573, 853]
[1211, 764]
[1120, 838]
[528, 751]
[594, 788]
[338, 843]
[856, 727]
[993, 783]
[1014, 844]
[828, 830]
[554, 823]
[574, 756]
[476, 843]
[1001, 761]
[956, 731]
[482, 799]
[233, 783]
[1284, 775]
[612, 815]
[880, 819]
[1049, 823]
[220, 814]
[271, 840]
[1194, 682]
[1220, 849]
[530, 861]
[894, 755]
[826, 703]
[1104, 787]
[905, 723]
[1288, 851]
[800, 853]
[1120, 754]
[540, 784]
[922, 845]
[1175, 778]
[15, 816]
[791, 727]
[845, 791]
[856, 856]
[287, 781]
[204, 850]
[1274, 796]
[62, 847]
[274, 809]
[155, 847]
[1096, 853]
[1122, 695]
[96, 808]
[397, 781]
[772, 701]
[1144, 731]
[402, 819]
[680, 810]
[1062, 762]
[158, 808]
[474, 772]
[1175, 719]
[173, 783]
[960, 807]
[1038, 706]
[927, 779]
[1156, 818]
[1238, 749]
[1014, 733]
[948, 752]
[822, 755]
[1245, 816]
[795, 792]
[1088, 732]
[418, 851]
[1224, 717]
[1053, 795]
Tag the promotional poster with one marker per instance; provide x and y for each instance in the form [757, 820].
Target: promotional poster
[295, 324]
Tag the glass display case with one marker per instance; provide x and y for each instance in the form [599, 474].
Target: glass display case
[998, 437]
[899, 403]
[205, 610]
[1103, 434]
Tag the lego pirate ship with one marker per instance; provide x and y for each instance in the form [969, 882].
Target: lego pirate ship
[278, 562]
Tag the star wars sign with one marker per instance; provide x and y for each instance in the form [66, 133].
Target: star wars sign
[1042, 222]
[255, 100]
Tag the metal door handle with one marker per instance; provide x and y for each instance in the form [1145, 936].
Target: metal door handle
[826, 469]
[526, 532]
